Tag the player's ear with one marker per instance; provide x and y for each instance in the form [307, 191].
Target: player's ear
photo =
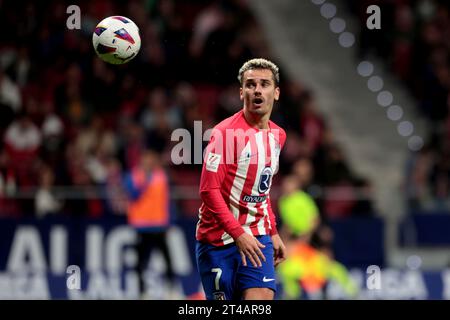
[277, 93]
[241, 93]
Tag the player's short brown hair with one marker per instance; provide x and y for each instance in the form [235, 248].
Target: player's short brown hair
[260, 63]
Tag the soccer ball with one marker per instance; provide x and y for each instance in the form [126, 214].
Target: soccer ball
[116, 40]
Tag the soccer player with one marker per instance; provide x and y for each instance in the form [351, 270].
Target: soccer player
[238, 246]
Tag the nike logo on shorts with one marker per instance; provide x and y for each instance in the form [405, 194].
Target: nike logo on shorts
[267, 279]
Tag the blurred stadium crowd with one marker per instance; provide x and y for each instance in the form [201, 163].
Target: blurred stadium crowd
[72, 125]
[414, 42]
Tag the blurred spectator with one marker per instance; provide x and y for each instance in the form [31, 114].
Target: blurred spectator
[115, 195]
[298, 211]
[304, 172]
[228, 103]
[132, 144]
[186, 102]
[307, 269]
[148, 212]
[8, 188]
[158, 118]
[53, 138]
[96, 137]
[417, 184]
[312, 125]
[52, 127]
[293, 93]
[20, 66]
[22, 142]
[84, 201]
[364, 203]
[440, 178]
[97, 144]
[10, 99]
[45, 199]
[294, 149]
[70, 100]
[208, 20]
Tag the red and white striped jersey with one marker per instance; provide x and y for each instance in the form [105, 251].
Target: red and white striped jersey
[238, 167]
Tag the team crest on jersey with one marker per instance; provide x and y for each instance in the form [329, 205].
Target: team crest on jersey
[265, 180]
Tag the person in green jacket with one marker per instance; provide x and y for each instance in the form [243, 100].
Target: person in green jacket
[306, 268]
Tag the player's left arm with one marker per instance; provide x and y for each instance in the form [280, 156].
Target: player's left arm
[279, 249]
[278, 245]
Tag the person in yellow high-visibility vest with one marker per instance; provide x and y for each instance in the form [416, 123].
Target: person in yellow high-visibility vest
[309, 269]
[306, 268]
[298, 211]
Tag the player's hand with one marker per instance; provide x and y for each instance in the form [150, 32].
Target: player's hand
[249, 247]
[279, 250]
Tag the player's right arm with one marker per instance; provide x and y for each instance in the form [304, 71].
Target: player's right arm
[213, 174]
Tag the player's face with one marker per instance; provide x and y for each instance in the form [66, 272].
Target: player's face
[258, 91]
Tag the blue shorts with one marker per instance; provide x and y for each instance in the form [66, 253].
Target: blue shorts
[223, 275]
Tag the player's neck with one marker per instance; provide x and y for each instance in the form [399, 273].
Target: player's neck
[257, 121]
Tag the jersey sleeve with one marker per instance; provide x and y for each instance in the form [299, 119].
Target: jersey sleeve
[282, 138]
[217, 155]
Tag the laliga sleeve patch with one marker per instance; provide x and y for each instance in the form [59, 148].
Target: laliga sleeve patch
[213, 161]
